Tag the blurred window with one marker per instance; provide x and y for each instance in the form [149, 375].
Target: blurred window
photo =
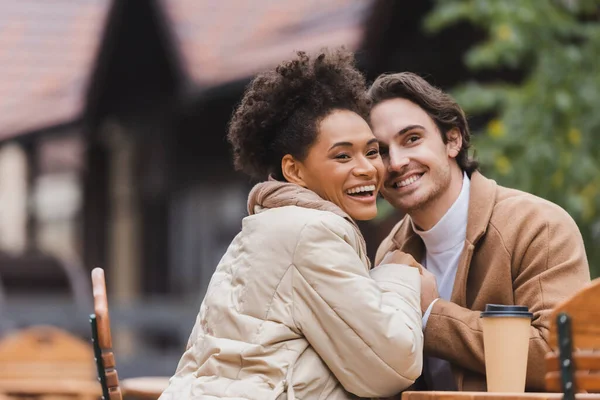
[13, 198]
[57, 196]
[204, 221]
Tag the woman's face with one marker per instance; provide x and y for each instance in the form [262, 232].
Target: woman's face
[344, 165]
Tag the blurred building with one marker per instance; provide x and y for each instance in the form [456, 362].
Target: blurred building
[112, 144]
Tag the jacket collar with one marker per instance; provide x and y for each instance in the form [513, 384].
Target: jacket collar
[275, 194]
[406, 240]
[482, 196]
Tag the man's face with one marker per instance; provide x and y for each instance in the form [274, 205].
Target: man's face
[418, 163]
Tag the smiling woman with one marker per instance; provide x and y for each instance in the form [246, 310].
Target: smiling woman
[293, 306]
[304, 123]
[342, 166]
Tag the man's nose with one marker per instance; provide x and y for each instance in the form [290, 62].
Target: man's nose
[397, 160]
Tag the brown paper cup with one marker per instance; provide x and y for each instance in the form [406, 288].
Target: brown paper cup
[506, 331]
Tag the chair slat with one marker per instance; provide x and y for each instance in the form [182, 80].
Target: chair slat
[585, 338]
[584, 381]
[581, 360]
[112, 379]
[584, 317]
[101, 308]
[106, 363]
[108, 359]
[115, 394]
[101, 327]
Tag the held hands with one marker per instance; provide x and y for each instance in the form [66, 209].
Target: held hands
[399, 257]
[429, 290]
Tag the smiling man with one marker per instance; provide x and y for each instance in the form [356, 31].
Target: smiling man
[479, 242]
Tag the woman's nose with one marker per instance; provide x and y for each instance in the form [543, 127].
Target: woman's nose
[365, 168]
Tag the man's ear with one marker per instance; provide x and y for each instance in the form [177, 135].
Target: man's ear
[454, 142]
[292, 170]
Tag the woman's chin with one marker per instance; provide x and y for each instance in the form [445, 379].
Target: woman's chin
[363, 214]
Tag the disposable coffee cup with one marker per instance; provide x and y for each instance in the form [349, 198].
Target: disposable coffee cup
[506, 331]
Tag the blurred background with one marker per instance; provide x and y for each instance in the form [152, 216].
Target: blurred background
[112, 135]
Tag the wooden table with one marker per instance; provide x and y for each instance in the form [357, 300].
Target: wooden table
[145, 388]
[490, 396]
[148, 387]
[81, 389]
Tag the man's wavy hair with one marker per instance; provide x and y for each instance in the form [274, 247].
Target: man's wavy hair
[440, 107]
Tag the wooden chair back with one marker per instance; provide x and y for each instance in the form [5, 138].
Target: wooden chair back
[45, 360]
[100, 321]
[573, 366]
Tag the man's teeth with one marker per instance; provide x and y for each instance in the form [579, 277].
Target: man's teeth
[360, 189]
[407, 181]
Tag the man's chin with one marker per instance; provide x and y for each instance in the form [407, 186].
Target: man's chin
[406, 205]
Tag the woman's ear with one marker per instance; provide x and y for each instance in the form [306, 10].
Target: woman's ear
[292, 170]
[454, 142]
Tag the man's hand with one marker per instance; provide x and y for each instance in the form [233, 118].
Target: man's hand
[429, 290]
[398, 257]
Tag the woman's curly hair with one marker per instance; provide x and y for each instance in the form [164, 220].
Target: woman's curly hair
[282, 108]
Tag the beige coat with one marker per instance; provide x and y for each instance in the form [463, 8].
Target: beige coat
[292, 311]
[520, 249]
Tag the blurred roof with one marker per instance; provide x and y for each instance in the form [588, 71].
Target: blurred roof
[46, 53]
[47, 48]
[221, 41]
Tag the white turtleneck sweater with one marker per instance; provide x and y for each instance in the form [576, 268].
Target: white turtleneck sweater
[444, 243]
[443, 247]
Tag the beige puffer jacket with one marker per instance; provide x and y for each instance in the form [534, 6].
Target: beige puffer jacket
[293, 312]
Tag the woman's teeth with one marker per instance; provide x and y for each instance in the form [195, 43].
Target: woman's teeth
[361, 189]
[407, 181]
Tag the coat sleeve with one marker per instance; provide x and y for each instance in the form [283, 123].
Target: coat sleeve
[367, 330]
[549, 264]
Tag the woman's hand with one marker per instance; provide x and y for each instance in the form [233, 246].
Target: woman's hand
[399, 257]
[429, 290]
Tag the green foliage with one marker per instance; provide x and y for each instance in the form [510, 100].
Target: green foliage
[542, 138]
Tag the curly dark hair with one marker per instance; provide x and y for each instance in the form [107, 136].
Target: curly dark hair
[440, 107]
[282, 108]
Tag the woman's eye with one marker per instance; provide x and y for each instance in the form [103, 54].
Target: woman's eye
[342, 156]
[373, 152]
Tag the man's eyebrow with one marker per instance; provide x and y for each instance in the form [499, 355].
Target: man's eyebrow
[409, 128]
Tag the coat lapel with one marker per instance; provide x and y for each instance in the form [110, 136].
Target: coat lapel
[482, 198]
[407, 241]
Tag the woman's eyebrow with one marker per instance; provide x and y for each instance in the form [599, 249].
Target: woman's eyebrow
[338, 144]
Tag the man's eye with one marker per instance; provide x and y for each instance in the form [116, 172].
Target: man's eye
[413, 138]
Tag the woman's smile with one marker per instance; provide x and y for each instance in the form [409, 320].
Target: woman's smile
[365, 193]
